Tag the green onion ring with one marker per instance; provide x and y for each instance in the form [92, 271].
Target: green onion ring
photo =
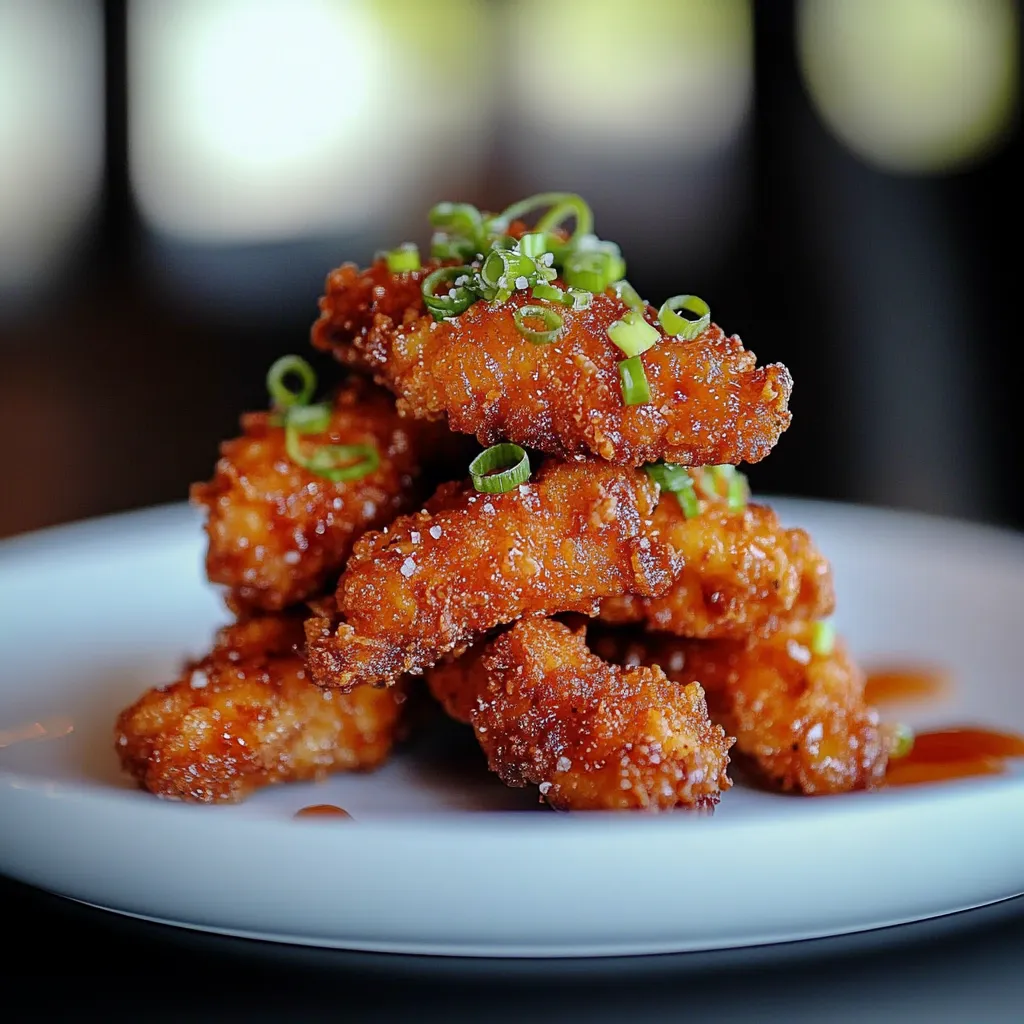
[581, 298]
[633, 334]
[681, 326]
[282, 396]
[442, 306]
[510, 460]
[633, 379]
[667, 475]
[626, 293]
[404, 259]
[552, 319]
[686, 495]
[563, 205]
[449, 247]
[823, 639]
[457, 219]
[308, 419]
[551, 293]
[334, 462]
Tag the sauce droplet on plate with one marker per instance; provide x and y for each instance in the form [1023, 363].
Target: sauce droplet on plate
[322, 811]
[905, 682]
[955, 753]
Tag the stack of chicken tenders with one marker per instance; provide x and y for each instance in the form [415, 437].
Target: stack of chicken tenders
[523, 491]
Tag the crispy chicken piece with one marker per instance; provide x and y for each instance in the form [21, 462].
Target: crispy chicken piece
[798, 716]
[742, 573]
[247, 715]
[711, 403]
[279, 533]
[432, 583]
[592, 736]
[457, 683]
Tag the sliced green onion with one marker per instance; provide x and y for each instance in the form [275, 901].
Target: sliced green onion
[403, 259]
[457, 300]
[686, 495]
[668, 476]
[594, 268]
[553, 322]
[562, 206]
[823, 639]
[534, 244]
[738, 493]
[449, 247]
[335, 462]
[457, 219]
[503, 271]
[500, 468]
[635, 389]
[581, 298]
[551, 293]
[309, 419]
[689, 326]
[626, 293]
[902, 741]
[284, 397]
[633, 334]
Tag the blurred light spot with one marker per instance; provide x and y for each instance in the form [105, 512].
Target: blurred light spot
[51, 132]
[267, 120]
[912, 85]
[675, 78]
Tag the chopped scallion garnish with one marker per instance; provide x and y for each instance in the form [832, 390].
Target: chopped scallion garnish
[902, 742]
[403, 259]
[676, 480]
[633, 334]
[695, 318]
[500, 468]
[595, 267]
[456, 300]
[626, 293]
[551, 293]
[335, 462]
[281, 395]
[633, 379]
[552, 320]
[823, 639]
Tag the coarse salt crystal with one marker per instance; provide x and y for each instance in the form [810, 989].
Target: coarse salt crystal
[522, 282]
[435, 532]
[798, 652]
[488, 507]
[544, 788]
[122, 740]
[415, 536]
[199, 679]
[563, 764]
[292, 557]
[408, 568]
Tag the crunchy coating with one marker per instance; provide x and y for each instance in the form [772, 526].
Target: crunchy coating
[278, 533]
[432, 583]
[798, 717]
[247, 715]
[711, 403]
[742, 573]
[591, 735]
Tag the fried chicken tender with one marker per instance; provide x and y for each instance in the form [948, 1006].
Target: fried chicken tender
[247, 715]
[799, 717]
[278, 533]
[710, 402]
[432, 583]
[742, 573]
[591, 735]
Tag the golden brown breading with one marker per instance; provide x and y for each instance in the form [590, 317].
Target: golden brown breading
[247, 715]
[800, 717]
[431, 583]
[742, 573]
[457, 682]
[591, 735]
[711, 403]
[279, 533]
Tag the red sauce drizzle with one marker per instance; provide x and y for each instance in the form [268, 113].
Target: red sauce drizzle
[957, 753]
[905, 682]
[322, 811]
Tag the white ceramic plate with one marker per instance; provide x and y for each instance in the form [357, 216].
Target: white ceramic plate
[439, 861]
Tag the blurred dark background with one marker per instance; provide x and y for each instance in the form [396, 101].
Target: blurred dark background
[838, 178]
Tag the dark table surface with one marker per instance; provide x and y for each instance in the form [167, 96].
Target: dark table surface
[70, 958]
